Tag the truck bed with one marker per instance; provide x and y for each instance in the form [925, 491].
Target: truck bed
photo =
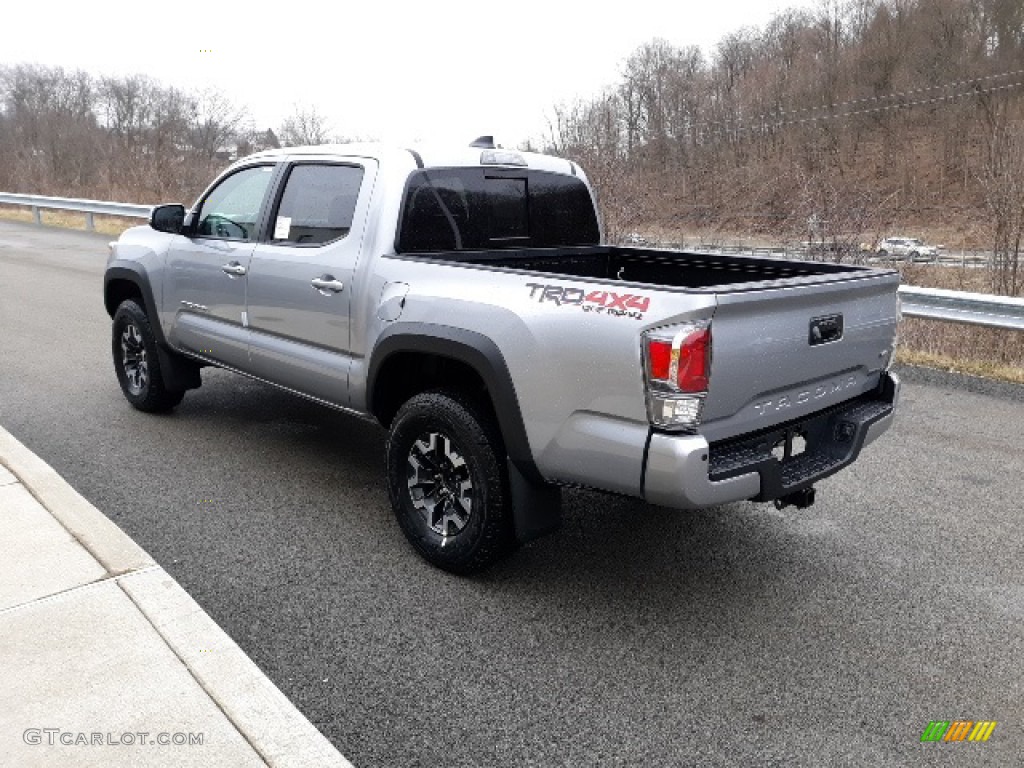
[681, 269]
[766, 367]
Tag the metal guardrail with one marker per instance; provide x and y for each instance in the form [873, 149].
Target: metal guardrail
[88, 207]
[931, 303]
[962, 307]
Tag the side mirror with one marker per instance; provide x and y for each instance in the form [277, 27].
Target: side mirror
[168, 218]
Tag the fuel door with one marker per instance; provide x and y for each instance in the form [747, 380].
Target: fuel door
[392, 301]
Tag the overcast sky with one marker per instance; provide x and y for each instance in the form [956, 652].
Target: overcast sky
[442, 70]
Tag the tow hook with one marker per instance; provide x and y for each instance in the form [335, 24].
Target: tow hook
[800, 499]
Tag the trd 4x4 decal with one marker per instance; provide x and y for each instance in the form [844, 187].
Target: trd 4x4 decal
[601, 302]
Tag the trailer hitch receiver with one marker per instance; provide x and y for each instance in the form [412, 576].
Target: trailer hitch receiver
[801, 499]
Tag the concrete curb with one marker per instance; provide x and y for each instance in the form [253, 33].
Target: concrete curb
[258, 709]
[90, 527]
[264, 716]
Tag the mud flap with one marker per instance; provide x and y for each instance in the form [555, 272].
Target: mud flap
[178, 373]
[536, 507]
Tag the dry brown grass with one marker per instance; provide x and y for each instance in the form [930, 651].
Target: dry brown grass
[973, 367]
[105, 225]
[974, 279]
[987, 352]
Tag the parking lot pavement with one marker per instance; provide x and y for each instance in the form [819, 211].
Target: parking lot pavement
[635, 636]
[107, 661]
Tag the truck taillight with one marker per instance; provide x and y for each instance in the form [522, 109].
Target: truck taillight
[677, 363]
[682, 361]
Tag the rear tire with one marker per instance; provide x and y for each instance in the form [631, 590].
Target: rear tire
[136, 362]
[448, 482]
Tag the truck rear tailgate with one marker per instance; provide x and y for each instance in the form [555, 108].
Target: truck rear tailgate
[781, 353]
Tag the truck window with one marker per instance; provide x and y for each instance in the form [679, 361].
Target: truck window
[230, 210]
[484, 208]
[317, 205]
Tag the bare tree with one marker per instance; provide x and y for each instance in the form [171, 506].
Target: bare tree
[305, 126]
[125, 104]
[1003, 182]
[216, 122]
[51, 125]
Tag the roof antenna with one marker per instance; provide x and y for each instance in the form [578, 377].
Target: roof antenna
[484, 142]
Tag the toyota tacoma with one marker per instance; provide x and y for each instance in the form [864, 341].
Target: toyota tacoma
[464, 299]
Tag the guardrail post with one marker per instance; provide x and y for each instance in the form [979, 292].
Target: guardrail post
[90, 223]
[36, 217]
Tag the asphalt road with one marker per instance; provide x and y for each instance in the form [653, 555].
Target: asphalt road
[635, 636]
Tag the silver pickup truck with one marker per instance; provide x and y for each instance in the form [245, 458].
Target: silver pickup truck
[462, 298]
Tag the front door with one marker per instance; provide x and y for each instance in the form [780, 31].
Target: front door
[300, 281]
[204, 290]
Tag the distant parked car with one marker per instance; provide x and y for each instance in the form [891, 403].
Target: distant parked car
[635, 238]
[911, 248]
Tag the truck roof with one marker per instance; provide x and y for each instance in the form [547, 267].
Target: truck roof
[430, 155]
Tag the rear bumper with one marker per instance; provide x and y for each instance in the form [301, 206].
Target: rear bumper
[685, 472]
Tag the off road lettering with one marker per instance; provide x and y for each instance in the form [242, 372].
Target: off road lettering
[601, 302]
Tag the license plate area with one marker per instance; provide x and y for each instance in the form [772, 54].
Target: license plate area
[792, 443]
[794, 455]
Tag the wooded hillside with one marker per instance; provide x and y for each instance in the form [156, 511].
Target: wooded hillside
[126, 138]
[842, 124]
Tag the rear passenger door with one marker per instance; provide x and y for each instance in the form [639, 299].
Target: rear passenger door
[300, 280]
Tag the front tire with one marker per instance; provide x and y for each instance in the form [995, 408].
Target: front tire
[136, 362]
[448, 482]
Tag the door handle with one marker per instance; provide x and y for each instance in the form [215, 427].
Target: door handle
[234, 269]
[327, 285]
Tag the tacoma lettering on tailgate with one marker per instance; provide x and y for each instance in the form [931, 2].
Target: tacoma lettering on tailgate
[804, 396]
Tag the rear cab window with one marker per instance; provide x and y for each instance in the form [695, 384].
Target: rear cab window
[456, 209]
